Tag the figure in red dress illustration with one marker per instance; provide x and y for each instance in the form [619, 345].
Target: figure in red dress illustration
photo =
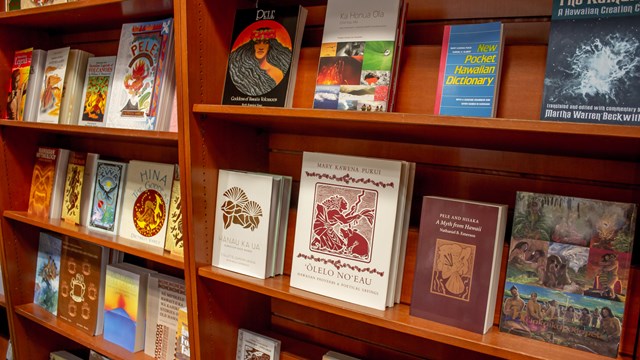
[344, 221]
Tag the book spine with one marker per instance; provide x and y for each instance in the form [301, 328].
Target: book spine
[443, 67]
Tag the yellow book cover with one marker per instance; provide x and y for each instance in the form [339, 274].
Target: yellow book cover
[73, 187]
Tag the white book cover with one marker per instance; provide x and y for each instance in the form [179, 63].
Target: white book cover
[52, 85]
[345, 227]
[243, 215]
[165, 296]
[146, 202]
[252, 345]
[357, 55]
[144, 58]
[74, 80]
[88, 186]
[95, 93]
[36, 73]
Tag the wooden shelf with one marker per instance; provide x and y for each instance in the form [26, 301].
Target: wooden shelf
[139, 136]
[82, 13]
[397, 318]
[535, 136]
[114, 242]
[41, 316]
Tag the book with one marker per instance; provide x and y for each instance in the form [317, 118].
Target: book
[125, 305]
[592, 75]
[47, 282]
[96, 356]
[333, 355]
[263, 59]
[470, 66]
[346, 227]
[63, 355]
[245, 224]
[73, 187]
[27, 4]
[143, 79]
[95, 93]
[82, 284]
[174, 241]
[358, 55]
[106, 200]
[52, 86]
[165, 296]
[145, 205]
[183, 351]
[11, 5]
[88, 186]
[34, 84]
[458, 262]
[71, 102]
[568, 271]
[18, 84]
[252, 345]
[47, 183]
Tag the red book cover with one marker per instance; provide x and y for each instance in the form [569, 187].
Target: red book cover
[18, 85]
[458, 262]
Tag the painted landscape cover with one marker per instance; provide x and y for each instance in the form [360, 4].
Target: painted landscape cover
[568, 271]
[48, 272]
[263, 58]
[356, 68]
[593, 69]
[97, 85]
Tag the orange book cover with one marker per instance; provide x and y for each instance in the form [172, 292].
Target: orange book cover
[73, 187]
[42, 182]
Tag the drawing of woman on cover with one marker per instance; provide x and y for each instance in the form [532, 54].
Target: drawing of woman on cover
[260, 58]
[334, 227]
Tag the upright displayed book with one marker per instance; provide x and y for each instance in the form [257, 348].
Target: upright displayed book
[252, 345]
[183, 350]
[458, 262]
[88, 186]
[246, 235]
[470, 64]
[569, 261]
[125, 305]
[18, 84]
[63, 355]
[108, 190]
[165, 296]
[144, 77]
[36, 74]
[358, 57]
[95, 93]
[47, 183]
[349, 227]
[52, 86]
[48, 269]
[592, 74]
[82, 284]
[71, 103]
[27, 4]
[145, 205]
[73, 187]
[264, 55]
[174, 240]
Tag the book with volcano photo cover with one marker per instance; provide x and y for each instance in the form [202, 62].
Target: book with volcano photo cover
[568, 271]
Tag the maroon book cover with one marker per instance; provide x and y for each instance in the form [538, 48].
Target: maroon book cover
[458, 262]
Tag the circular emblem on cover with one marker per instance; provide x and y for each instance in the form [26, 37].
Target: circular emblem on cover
[149, 213]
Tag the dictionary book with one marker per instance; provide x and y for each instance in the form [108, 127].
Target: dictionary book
[469, 77]
[593, 71]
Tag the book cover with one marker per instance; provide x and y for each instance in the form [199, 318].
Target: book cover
[458, 262]
[107, 196]
[263, 58]
[470, 63]
[145, 203]
[27, 4]
[71, 102]
[568, 271]
[125, 305]
[345, 227]
[183, 351]
[95, 93]
[357, 55]
[82, 280]
[592, 73]
[36, 73]
[18, 84]
[243, 239]
[88, 186]
[143, 61]
[165, 296]
[332, 355]
[52, 86]
[12, 5]
[252, 345]
[48, 272]
[96, 356]
[47, 182]
[174, 241]
[73, 187]
[63, 355]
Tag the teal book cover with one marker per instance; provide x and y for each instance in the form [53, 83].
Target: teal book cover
[48, 272]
